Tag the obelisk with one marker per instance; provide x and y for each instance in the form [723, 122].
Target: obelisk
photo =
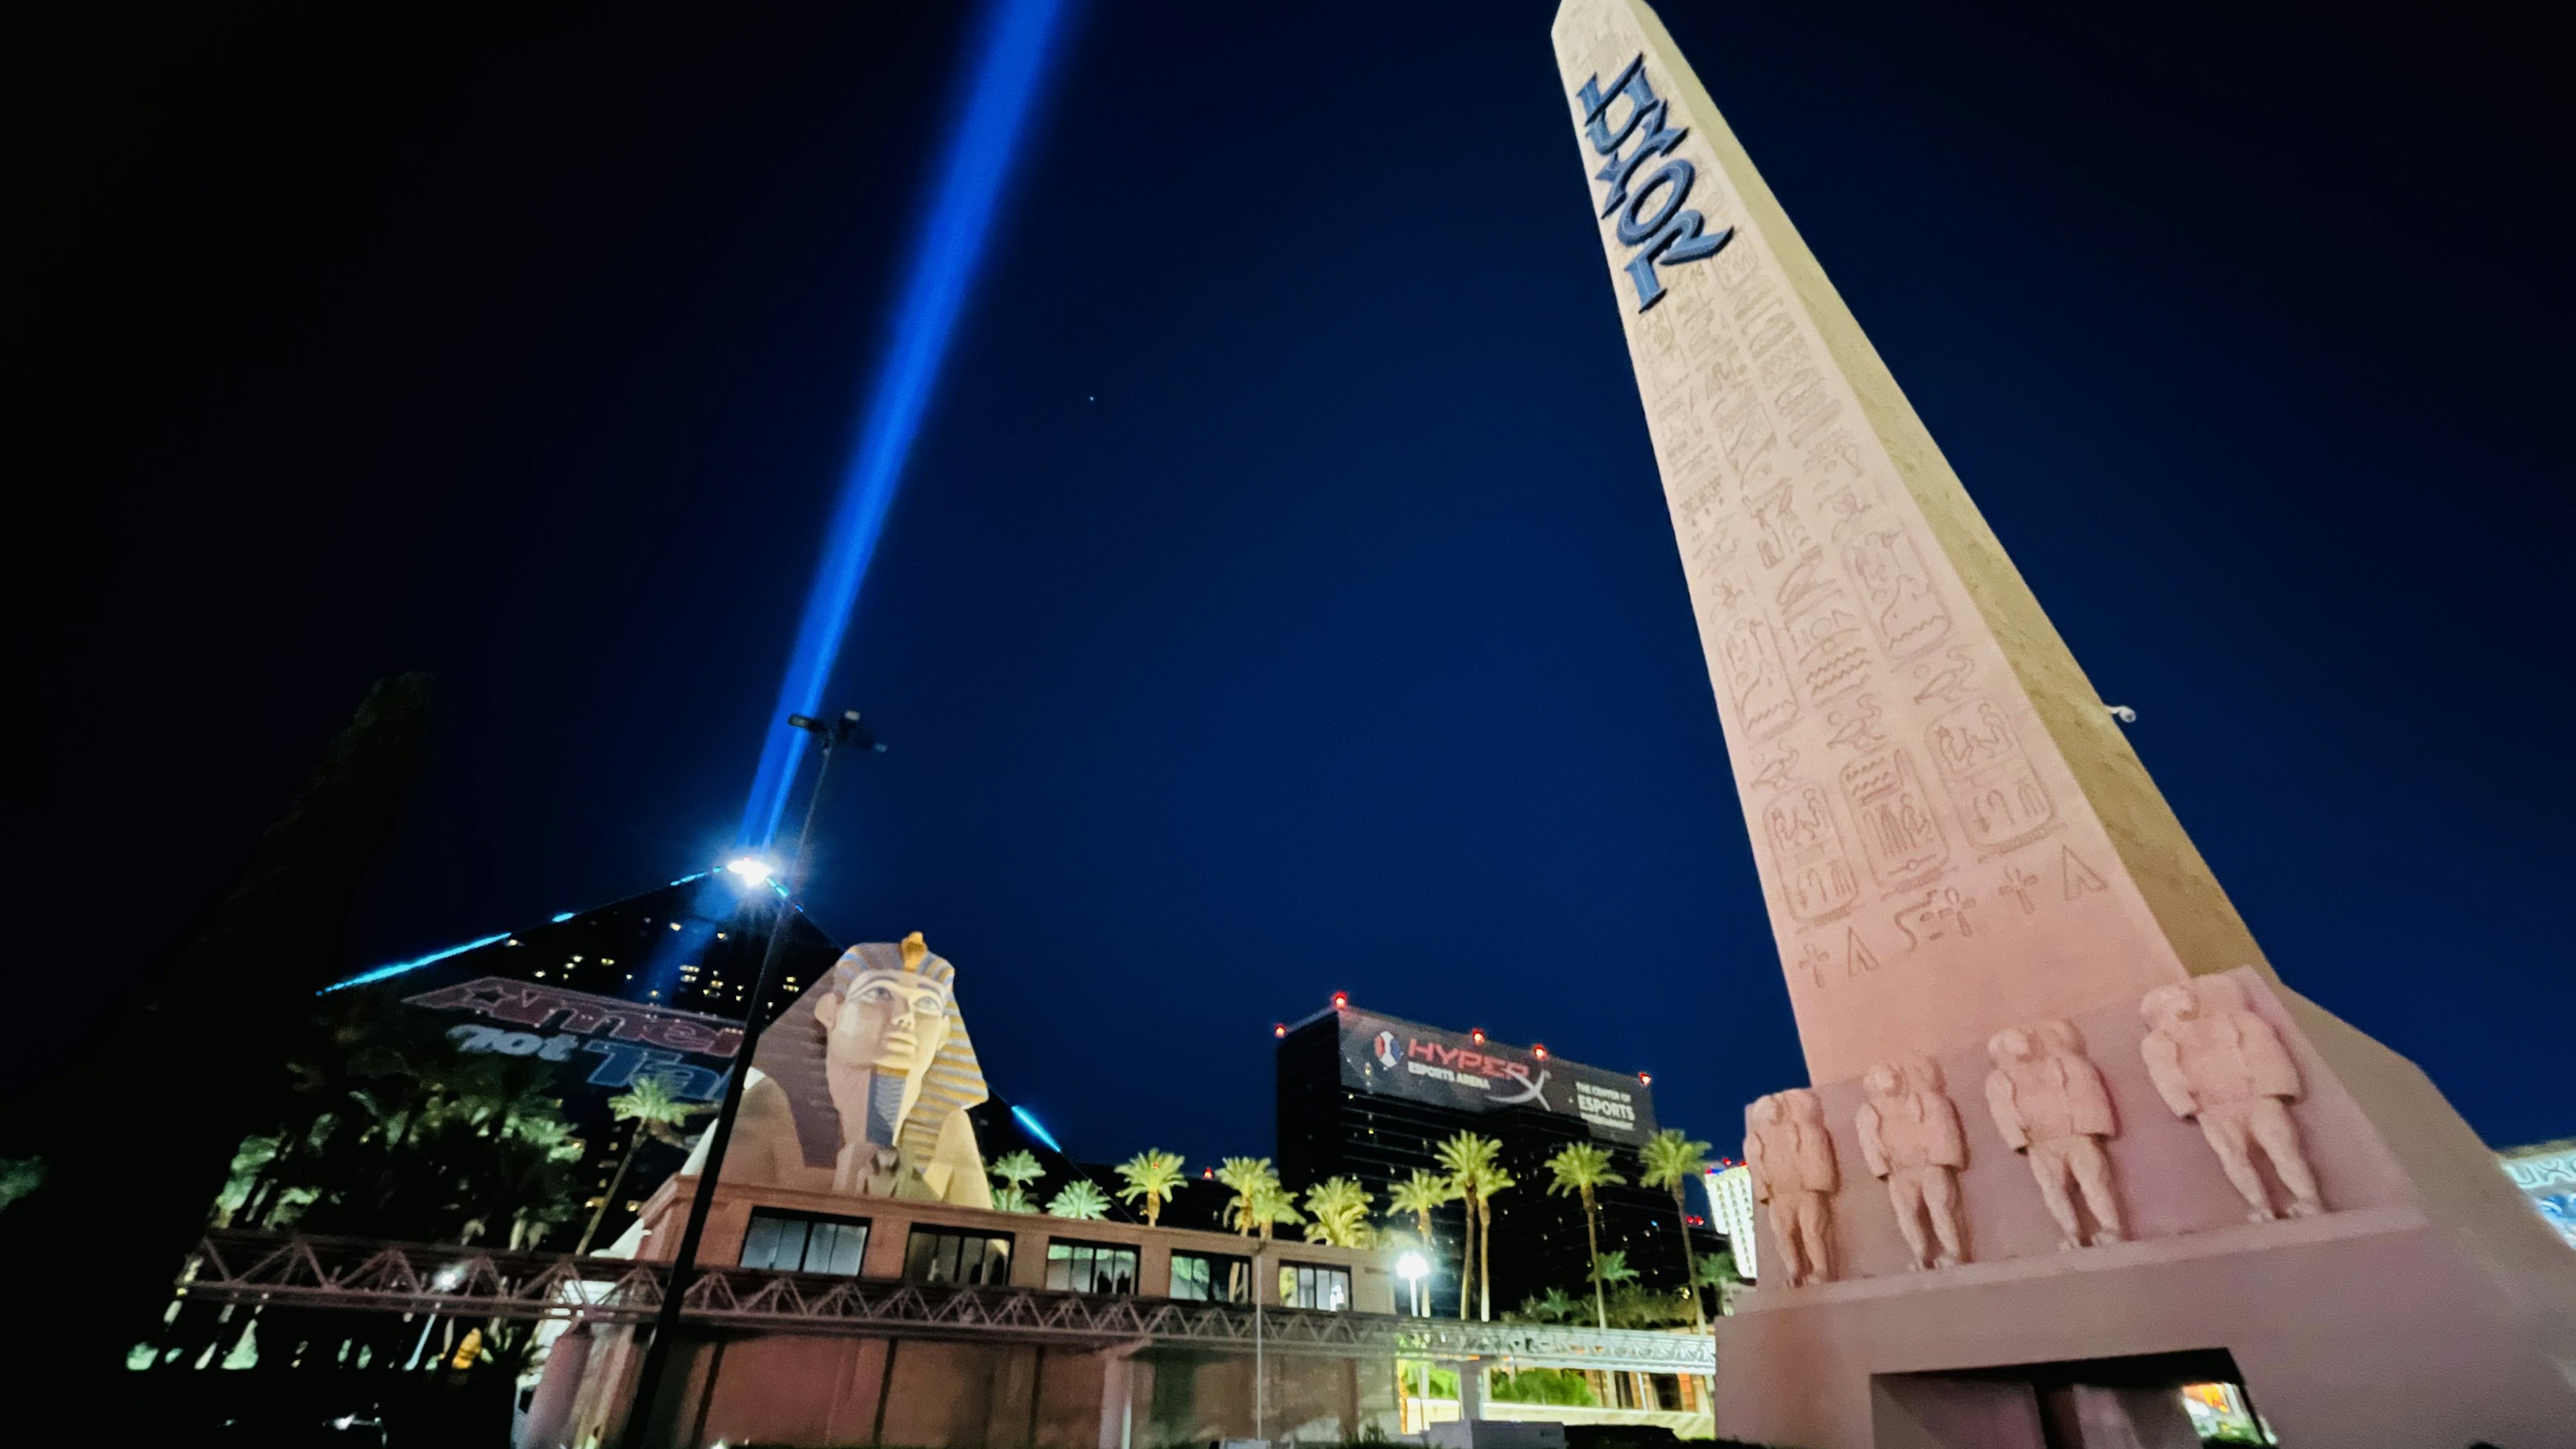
[1924, 768]
[1972, 880]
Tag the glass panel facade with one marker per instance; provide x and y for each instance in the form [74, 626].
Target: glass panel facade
[1090, 1268]
[1211, 1277]
[937, 1255]
[1304, 1285]
[804, 1243]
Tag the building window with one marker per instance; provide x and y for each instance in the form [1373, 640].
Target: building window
[1211, 1277]
[804, 1243]
[1303, 1285]
[1090, 1268]
[934, 1256]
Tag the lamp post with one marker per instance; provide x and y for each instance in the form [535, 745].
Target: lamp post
[754, 873]
[1412, 1269]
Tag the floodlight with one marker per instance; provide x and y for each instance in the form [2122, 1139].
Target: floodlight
[1411, 1267]
[751, 870]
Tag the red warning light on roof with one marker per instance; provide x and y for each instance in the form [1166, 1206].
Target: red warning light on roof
[1279, 1028]
[1538, 1051]
[1341, 999]
[1477, 1036]
[1645, 1080]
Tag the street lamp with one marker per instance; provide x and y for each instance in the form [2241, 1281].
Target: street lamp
[1413, 1270]
[753, 871]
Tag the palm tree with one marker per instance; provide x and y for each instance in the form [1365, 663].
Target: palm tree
[1339, 1208]
[1579, 1168]
[1015, 1171]
[1468, 1157]
[1611, 1270]
[1151, 1175]
[1717, 1271]
[1273, 1207]
[1080, 1199]
[1553, 1306]
[1253, 1180]
[1491, 1180]
[1671, 1158]
[656, 1112]
[1423, 1194]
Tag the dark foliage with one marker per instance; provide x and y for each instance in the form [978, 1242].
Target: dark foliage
[137, 1142]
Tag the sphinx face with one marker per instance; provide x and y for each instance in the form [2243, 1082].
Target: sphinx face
[1882, 1081]
[889, 1021]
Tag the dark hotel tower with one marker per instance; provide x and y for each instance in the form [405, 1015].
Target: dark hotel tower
[1372, 1097]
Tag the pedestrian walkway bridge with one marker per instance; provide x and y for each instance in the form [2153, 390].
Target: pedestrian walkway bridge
[473, 1282]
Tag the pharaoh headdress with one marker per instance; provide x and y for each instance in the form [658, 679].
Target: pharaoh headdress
[791, 1054]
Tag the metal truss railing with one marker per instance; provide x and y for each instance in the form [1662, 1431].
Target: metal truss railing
[380, 1277]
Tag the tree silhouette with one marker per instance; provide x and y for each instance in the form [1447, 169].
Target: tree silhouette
[1579, 1168]
[1671, 1158]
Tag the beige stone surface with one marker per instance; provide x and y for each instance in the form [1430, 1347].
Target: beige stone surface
[1951, 831]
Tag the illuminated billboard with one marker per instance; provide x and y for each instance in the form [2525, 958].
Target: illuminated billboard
[1395, 1058]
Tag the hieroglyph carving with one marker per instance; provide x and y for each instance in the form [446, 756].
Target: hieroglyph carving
[2214, 1060]
[1910, 1137]
[2051, 1106]
[1815, 873]
[1998, 795]
[1899, 834]
[1791, 1156]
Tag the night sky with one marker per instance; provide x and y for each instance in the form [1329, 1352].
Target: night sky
[1281, 597]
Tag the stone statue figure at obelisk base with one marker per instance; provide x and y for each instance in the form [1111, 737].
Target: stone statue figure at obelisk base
[1911, 1138]
[1956, 843]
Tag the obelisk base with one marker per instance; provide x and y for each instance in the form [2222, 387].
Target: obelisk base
[2428, 1307]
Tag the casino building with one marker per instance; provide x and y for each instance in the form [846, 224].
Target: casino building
[1371, 1097]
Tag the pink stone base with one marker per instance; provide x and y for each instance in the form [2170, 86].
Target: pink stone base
[2427, 1309]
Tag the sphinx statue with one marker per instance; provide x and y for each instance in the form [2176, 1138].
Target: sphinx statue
[1791, 1156]
[861, 1088]
[2215, 1061]
[1910, 1137]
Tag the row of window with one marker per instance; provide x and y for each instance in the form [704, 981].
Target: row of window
[807, 1243]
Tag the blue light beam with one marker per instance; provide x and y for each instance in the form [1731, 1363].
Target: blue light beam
[399, 967]
[981, 143]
